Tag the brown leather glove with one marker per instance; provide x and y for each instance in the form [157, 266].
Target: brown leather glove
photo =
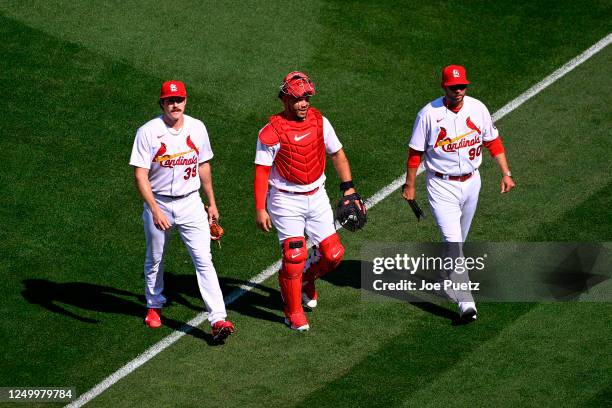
[216, 231]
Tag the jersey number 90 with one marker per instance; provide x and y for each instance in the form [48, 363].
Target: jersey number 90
[474, 152]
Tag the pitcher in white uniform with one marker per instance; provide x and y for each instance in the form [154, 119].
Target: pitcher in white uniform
[451, 131]
[171, 158]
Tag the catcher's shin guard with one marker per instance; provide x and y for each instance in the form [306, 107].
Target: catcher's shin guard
[330, 253]
[290, 275]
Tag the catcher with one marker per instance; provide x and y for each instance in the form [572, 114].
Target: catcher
[290, 163]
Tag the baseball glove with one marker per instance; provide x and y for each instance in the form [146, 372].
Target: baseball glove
[216, 231]
[351, 212]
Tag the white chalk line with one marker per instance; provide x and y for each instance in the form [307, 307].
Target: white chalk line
[272, 269]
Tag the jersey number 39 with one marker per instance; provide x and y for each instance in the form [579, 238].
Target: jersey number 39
[190, 172]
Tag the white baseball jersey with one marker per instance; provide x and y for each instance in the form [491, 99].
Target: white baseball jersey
[171, 156]
[453, 142]
[265, 155]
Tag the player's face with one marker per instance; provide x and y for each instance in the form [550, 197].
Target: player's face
[455, 93]
[173, 107]
[296, 108]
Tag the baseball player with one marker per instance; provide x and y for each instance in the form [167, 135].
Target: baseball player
[290, 180]
[451, 132]
[171, 155]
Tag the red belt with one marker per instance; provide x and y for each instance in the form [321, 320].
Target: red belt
[311, 192]
[454, 178]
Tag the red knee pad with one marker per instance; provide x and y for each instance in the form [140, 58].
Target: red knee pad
[331, 253]
[295, 254]
[331, 250]
[290, 275]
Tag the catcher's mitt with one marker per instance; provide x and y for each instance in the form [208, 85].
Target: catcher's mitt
[351, 212]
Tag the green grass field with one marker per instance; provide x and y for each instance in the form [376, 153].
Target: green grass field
[80, 78]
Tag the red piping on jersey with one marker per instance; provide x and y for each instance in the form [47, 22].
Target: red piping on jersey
[262, 174]
[495, 146]
[414, 158]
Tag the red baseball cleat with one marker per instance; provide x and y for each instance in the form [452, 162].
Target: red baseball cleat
[309, 295]
[153, 319]
[222, 329]
[297, 321]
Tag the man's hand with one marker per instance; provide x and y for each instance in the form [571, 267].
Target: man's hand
[160, 220]
[507, 184]
[262, 218]
[213, 214]
[408, 192]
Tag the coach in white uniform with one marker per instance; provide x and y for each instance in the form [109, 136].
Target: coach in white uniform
[451, 132]
[171, 155]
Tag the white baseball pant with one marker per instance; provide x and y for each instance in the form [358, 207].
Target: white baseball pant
[453, 204]
[294, 214]
[187, 214]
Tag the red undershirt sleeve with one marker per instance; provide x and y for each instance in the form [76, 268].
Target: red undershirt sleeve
[262, 174]
[414, 158]
[495, 146]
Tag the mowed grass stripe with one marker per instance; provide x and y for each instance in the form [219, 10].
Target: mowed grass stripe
[439, 353]
[554, 355]
[224, 50]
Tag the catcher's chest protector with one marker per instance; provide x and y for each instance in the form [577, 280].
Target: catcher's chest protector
[301, 158]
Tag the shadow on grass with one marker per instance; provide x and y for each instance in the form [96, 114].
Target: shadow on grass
[261, 302]
[348, 274]
[63, 298]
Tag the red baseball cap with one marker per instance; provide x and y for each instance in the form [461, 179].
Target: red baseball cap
[297, 84]
[172, 88]
[454, 75]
